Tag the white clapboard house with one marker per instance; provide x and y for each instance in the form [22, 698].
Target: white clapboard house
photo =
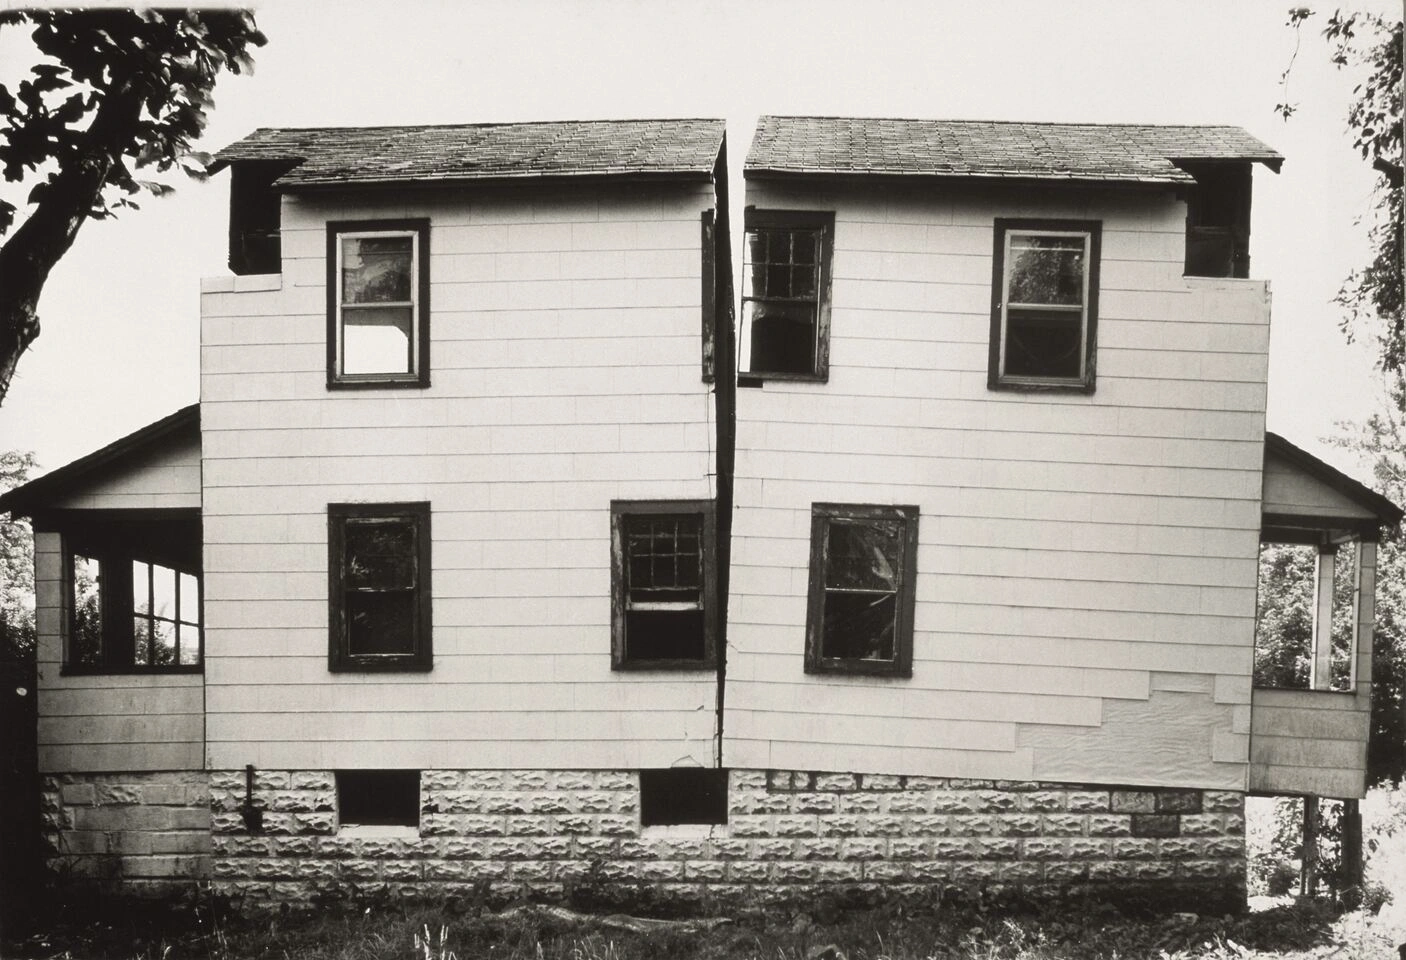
[499, 555]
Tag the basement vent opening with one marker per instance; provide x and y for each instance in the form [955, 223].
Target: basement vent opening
[683, 795]
[381, 798]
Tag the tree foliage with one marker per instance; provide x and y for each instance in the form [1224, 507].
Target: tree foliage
[16, 565]
[114, 93]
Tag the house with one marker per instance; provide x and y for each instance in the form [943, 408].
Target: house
[491, 559]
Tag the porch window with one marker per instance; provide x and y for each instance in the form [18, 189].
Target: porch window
[1304, 624]
[130, 615]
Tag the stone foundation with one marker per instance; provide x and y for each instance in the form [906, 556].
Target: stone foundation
[791, 836]
[145, 834]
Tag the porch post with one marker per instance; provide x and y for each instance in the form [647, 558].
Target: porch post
[1320, 670]
[1364, 616]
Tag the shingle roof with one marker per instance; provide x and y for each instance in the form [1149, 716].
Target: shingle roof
[345, 155]
[1137, 153]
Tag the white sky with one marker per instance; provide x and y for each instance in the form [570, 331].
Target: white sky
[120, 314]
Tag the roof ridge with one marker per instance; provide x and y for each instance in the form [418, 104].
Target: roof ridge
[491, 123]
[1031, 123]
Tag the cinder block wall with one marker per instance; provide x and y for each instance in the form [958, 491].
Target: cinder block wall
[790, 836]
[147, 834]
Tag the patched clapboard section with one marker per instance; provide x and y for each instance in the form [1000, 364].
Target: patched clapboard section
[1085, 594]
[131, 722]
[564, 374]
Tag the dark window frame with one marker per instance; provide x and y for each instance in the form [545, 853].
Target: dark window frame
[419, 229]
[998, 380]
[117, 612]
[339, 656]
[906, 592]
[620, 510]
[769, 219]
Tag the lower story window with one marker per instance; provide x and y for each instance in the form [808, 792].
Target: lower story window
[379, 568]
[128, 613]
[663, 589]
[862, 570]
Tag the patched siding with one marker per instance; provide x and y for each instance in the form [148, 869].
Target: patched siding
[1070, 547]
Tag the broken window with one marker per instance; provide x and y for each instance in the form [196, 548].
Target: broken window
[378, 303]
[380, 603]
[1044, 304]
[786, 294]
[130, 614]
[378, 798]
[662, 560]
[862, 571]
[683, 795]
[1300, 585]
[1218, 220]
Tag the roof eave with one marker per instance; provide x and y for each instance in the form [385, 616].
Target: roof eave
[923, 177]
[23, 500]
[497, 180]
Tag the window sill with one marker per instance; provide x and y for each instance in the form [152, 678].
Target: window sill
[379, 666]
[1038, 386]
[860, 668]
[1308, 690]
[68, 670]
[384, 831]
[416, 384]
[682, 831]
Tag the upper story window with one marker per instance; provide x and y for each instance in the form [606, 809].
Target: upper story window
[786, 295]
[379, 559]
[863, 564]
[1044, 304]
[663, 584]
[378, 297]
[129, 615]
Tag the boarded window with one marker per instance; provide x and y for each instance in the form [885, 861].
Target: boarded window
[786, 294]
[380, 593]
[683, 795]
[860, 617]
[378, 798]
[664, 599]
[1044, 304]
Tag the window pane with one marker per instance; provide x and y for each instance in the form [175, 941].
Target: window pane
[781, 337]
[190, 599]
[190, 644]
[381, 623]
[1046, 270]
[163, 643]
[141, 641]
[664, 635]
[858, 626]
[86, 631]
[141, 587]
[1044, 344]
[163, 591]
[864, 555]
[377, 340]
[805, 247]
[665, 558]
[380, 554]
[376, 269]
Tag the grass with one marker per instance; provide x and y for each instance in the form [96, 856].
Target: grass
[441, 932]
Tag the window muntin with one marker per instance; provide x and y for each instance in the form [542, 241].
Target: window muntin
[664, 597]
[127, 614]
[860, 617]
[786, 294]
[1045, 296]
[380, 592]
[378, 293]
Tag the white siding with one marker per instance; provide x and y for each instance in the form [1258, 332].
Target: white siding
[1288, 489]
[99, 723]
[168, 477]
[1086, 564]
[566, 372]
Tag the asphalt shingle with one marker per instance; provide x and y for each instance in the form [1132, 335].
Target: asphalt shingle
[1139, 153]
[345, 155]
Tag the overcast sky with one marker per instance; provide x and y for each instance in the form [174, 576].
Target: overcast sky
[120, 314]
